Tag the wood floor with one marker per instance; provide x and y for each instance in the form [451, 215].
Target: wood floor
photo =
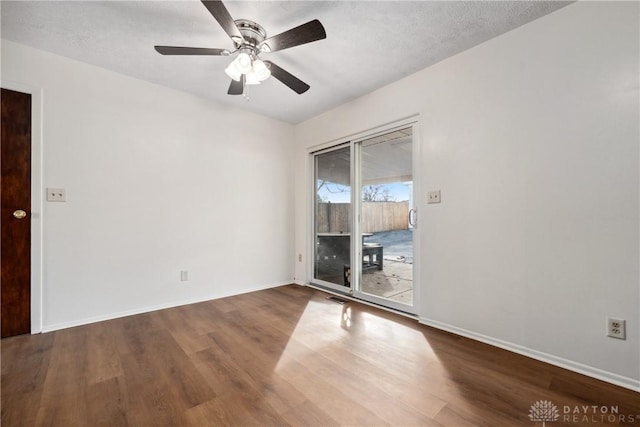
[284, 356]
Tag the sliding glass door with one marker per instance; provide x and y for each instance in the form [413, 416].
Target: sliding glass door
[364, 220]
[384, 174]
[333, 217]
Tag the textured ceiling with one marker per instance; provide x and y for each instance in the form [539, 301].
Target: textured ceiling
[368, 45]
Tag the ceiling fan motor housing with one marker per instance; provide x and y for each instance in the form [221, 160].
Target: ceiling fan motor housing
[253, 34]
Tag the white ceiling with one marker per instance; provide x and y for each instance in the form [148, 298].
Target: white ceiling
[369, 44]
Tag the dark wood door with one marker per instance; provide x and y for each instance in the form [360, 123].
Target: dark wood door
[15, 217]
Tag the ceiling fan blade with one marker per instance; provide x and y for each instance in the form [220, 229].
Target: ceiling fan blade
[236, 87]
[305, 33]
[287, 78]
[179, 50]
[222, 15]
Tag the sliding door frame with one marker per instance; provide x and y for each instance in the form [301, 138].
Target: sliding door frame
[312, 224]
[356, 199]
[353, 142]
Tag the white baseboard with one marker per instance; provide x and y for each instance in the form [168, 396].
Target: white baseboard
[590, 371]
[141, 310]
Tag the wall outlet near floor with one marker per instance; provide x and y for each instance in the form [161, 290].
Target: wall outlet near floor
[433, 196]
[56, 195]
[616, 328]
[299, 257]
[184, 275]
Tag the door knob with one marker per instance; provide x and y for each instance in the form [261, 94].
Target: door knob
[19, 214]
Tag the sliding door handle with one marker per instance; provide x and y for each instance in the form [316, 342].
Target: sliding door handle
[413, 218]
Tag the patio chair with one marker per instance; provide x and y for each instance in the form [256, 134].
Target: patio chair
[372, 256]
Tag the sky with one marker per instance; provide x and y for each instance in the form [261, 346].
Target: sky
[340, 194]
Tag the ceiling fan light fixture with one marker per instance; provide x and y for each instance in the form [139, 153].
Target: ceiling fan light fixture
[243, 62]
[261, 71]
[233, 72]
[252, 78]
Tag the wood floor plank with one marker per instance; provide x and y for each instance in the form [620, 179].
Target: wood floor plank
[150, 398]
[332, 400]
[278, 357]
[234, 410]
[25, 362]
[165, 362]
[239, 364]
[65, 384]
[103, 362]
[369, 391]
[308, 414]
[108, 403]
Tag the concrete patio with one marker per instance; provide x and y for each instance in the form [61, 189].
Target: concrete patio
[394, 281]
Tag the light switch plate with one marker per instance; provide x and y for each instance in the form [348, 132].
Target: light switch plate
[56, 195]
[433, 196]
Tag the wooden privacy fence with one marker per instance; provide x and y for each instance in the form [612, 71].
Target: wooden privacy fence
[376, 216]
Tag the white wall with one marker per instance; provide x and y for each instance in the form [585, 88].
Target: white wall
[533, 139]
[157, 181]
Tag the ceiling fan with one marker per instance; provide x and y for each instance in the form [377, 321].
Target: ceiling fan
[250, 39]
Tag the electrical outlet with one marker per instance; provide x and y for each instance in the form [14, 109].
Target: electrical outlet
[616, 328]
[184, 275]
[433, 196]
[299, 257]
[56, 195]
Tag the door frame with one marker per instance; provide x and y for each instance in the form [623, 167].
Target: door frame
[351, 141]
[357, 201]
[37, 204]
[325, 148]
